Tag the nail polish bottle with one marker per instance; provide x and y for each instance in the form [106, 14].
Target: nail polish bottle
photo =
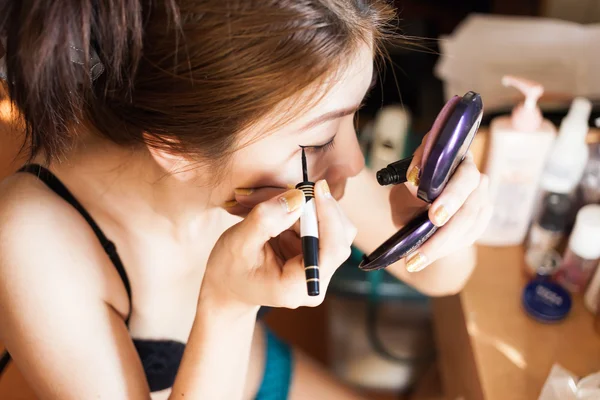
[583, 252]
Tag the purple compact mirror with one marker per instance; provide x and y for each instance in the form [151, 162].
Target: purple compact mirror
[447, 145]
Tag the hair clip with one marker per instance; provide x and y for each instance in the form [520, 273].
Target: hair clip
[78, 56]
[2, 68]
[3, 58]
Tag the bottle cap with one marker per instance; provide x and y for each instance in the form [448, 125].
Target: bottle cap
[585, 238]
[546, 301]
[526, 116]
[555, 212]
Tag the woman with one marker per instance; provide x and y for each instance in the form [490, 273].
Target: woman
[164, 122]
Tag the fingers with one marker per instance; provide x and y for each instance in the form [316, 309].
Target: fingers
[289, 245]
[278, 218]
[414, 170]
[270, 218]
[464, 181]
[462, 230]
[336, 233]
[250, 198]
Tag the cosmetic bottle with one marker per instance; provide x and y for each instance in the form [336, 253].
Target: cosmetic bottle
[583, 251]
[592, 293]
[589, 187]
[569, 155]
[548, 229]
[519, 144]
[592, 298]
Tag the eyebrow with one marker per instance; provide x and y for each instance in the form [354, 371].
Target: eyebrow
[331, 115]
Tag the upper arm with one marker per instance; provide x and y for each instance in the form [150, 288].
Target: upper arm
[64, 337]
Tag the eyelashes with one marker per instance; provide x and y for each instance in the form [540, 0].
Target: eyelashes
[322, 147]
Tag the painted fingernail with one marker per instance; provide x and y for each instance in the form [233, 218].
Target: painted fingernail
[416, 262]
[292, 200]
[324, 189]
[413, 176]
[230, 203]
[441, 215]
[290, 186]
[243, 191]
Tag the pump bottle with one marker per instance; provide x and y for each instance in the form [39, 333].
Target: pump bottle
[519, 145]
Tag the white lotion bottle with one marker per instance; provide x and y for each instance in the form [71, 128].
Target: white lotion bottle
[569, 155]
[519, 145]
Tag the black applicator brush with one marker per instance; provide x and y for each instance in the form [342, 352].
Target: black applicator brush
[309, 231]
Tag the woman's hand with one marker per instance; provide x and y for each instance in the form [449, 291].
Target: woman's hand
[259, 260]
[462, 211]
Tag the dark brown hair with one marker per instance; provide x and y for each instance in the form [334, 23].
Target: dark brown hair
[191, 74]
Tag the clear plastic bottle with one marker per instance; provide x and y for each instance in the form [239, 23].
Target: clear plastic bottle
[519, 144]
[583, 252]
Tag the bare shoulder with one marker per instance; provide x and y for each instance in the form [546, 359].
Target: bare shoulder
[66, 337]
[45, 244]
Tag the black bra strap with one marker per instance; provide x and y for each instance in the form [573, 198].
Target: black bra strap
[57, 186]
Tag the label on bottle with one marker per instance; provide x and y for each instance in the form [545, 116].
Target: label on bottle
[514, 167]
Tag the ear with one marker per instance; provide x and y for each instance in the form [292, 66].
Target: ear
[177, 166]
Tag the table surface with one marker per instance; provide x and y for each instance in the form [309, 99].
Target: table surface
[490, 348]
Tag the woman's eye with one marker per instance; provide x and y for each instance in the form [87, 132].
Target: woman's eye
[321, 148]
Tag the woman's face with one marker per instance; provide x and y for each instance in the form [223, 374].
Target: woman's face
[326, 129]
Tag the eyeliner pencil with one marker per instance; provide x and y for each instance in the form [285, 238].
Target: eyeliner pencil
[309, 231]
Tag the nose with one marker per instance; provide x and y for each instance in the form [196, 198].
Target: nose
[356, 159]
[347, 159]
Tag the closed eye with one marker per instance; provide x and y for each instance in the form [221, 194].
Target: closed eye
[322, 147]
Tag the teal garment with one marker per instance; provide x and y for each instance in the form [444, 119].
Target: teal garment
[277, 378]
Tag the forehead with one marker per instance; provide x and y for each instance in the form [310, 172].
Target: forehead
[345, 87]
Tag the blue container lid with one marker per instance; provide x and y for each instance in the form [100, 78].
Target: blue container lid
[546, 301]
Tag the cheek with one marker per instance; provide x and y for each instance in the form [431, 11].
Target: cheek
[254, 169]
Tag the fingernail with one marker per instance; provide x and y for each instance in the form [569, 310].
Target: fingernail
[290, 186]
[292, 200]
[230, 203]
[324, 189]
[243, 191]
[441, 215]
[416, 262]
[413, 176]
